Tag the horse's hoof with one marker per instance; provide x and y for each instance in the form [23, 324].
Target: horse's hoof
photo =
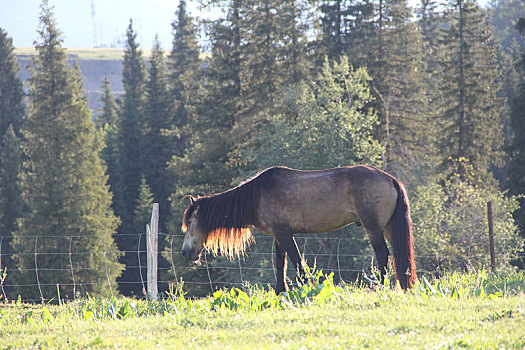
[280, 290]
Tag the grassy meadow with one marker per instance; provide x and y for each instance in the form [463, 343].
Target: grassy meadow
[476, 310]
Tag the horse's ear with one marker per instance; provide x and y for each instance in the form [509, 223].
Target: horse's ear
[192, 199]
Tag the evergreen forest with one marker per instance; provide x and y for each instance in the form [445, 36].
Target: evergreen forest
[434, 95]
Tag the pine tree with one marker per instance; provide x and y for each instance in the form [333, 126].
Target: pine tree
[158, 143]
[11, 92]
[130, 155]
[65, 186]
[468, 80]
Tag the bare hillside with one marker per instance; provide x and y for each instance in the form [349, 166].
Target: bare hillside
[94, 71]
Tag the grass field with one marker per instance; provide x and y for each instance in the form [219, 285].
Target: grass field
[459, 311]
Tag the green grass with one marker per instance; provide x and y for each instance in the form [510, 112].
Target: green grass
[459, 311]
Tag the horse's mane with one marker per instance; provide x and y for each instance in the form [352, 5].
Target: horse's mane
[226, 218]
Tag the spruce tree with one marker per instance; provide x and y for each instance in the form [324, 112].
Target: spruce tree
[70, 223]
[12, 113]
[107, 132]
[11, 92]
[332, 28]
[108, 113]
[293, 25]
[158, 142]
[504, 17]
[274, 56]
[11, 204]
[261, 65]
[199, 164]
[184, 69]
[347, 28]
[395, 63]
[143, 205]
[430, 20]
[469, 105]
[204, 167]
[141, 217]
[515, 179]
[130, 166]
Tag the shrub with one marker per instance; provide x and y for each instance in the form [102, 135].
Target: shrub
[451, 229]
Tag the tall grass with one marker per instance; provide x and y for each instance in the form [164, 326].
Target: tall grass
[320, 290]
[479, 310]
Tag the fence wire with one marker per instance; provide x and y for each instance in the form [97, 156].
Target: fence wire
[325, 252]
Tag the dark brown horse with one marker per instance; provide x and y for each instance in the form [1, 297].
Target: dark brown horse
[281, 201]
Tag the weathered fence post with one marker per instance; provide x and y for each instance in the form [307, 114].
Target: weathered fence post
[152, 248]
[491, 236]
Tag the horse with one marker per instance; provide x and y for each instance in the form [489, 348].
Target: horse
[281, 201]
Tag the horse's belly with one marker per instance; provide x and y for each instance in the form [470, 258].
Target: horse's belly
[323, 222]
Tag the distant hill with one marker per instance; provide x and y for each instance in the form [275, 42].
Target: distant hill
[95, 64]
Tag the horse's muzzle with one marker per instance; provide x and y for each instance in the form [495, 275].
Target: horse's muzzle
[190, 254]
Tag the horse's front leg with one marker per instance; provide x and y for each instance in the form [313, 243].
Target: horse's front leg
[288, 244]
[281, 266]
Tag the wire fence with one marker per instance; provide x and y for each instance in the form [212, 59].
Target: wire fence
[328, 252]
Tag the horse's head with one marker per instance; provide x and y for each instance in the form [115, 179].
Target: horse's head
[194, 239]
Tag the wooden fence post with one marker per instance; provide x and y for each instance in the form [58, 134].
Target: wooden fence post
[152, 247]
[491, 237]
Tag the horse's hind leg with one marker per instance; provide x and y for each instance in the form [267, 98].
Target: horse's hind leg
[377, 240]
[281, 266]
[288, 244]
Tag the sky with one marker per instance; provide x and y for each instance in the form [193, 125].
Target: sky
[74, 18]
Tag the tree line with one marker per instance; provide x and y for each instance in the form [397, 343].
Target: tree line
[434, 96]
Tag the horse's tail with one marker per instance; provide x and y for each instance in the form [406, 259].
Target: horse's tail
[402, 239]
